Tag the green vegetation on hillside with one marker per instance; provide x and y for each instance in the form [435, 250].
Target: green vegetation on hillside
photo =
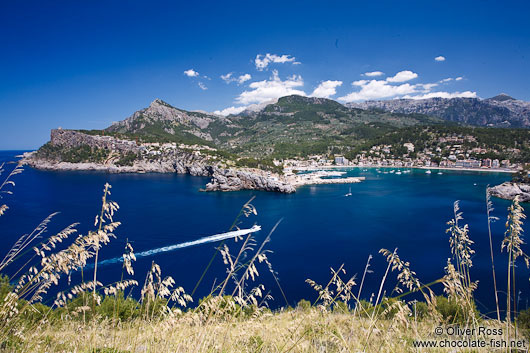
[265, 164]
[73, 154]
[501, 143]
[298, 126]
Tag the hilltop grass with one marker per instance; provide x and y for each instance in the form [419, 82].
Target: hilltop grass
[94, 317]
[287, 331]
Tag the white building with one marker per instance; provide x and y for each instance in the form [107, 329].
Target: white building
[409, 146]
[341, 160]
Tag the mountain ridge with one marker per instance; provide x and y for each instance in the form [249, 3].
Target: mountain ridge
[290, 119]
[499, 111]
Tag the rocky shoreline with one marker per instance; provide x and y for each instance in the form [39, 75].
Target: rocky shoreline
[70, 150]
[509, 191]
[222, 179]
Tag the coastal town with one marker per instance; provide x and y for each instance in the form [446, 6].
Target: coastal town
[448, 153]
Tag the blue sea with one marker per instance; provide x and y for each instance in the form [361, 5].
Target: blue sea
[321, 228]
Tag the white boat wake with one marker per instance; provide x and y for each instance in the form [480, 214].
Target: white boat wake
[209, 239]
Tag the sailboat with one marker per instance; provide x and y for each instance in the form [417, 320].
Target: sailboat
[349, 193]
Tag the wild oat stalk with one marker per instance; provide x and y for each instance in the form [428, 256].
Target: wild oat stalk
[107, 212]
[462, 254]
[366, 270]
[36, 282]
[336, 289]
[406, 277]
[491, 219]
[246, 211]
[157, 292]
[7, 181]
[513, 240]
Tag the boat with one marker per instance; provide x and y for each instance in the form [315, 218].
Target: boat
[440, 173]
[349, 193]
[428, 172]
[398, 172]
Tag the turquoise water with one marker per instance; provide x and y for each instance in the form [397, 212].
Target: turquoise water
[321, 228]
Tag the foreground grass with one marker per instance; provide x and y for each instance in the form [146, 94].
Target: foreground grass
[309, 330]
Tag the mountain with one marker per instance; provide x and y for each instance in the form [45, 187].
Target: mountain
[503, 97]
[296, 126]
[163, 122]
[498, 111]
[294, 123]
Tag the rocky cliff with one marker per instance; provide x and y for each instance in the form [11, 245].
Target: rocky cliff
[166, 119]
[509, 191]
[74, 150]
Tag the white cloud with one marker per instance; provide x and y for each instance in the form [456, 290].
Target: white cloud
[440, 58]
[326, 89]
[425, 87]
[393, 87]
[377, 89]
[403, 76]
[360, 82]
[229, 78]
[466, 94]
[449, 79]
[202, 86]
[230, 110]
[273, 88]
[191, 73]
[262, 61]
[382, 89]
[243, 78]
[373, 74]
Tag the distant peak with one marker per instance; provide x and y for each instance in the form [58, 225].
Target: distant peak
[502, 97]
[295, 98]
[159, 101]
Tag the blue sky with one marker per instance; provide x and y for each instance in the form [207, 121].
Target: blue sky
[80, 64]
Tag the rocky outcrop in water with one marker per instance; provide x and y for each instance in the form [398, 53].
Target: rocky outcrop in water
[233, 180]
[509, 191]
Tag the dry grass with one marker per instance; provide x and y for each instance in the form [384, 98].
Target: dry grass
[294, 331]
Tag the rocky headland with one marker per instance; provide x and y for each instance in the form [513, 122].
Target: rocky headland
[510, 190]
[74, 150]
